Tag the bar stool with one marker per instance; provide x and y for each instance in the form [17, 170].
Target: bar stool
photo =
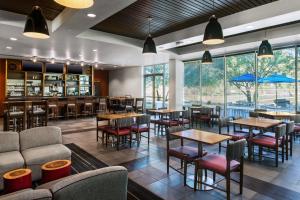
[16, 116]
[88, 106]
[38, 115]
[53, 108]
[102, 104]
[71, 107]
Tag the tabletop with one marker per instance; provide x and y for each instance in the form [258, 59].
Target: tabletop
[164, 111]
[278, 114]
[257, 122]
[202, 136]
[109, 116]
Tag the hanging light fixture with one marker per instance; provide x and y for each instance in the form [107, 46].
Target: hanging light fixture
[213, 32]
[265, 49]
[206, 58]
[149, 45]
[36, 25]
[77, 4]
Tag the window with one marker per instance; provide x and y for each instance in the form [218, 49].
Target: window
[240, 84]
[156, 86]
[276, 83]
[212, 83]
[192, 83]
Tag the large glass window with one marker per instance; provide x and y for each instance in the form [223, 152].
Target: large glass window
[240, 84]
[212, 83]
[156, 86]
[276, 83]
[192, 83]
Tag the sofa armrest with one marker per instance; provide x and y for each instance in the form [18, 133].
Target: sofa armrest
[106, 183]
[28, 194]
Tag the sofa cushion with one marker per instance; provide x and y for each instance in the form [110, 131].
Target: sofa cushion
[9, 161]
[35, 157]
[107, 183]
[28, 194]
[9, 141]
[40, 136]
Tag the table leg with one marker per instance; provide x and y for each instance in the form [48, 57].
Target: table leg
[203, 179]
[250, 143]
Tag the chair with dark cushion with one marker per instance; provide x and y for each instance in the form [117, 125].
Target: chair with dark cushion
[186, 154]
[185, 118]
[139, 105]
[129, 104]
[142, 126]
[223, 165]
[235, 136]
[263, 141]
[122, 128]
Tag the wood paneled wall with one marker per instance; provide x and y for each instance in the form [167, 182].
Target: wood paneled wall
[2, 84]
[101, 76]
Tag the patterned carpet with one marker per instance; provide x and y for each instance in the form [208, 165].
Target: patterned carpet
[83, 161]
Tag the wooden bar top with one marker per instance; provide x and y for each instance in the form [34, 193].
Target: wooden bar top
[109, 116]
[202, 136]
[257, 122]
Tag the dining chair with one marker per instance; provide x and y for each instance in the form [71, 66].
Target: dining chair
[296, 119]
[139, 105]
[235, 135]
[71, 107]
[223, 165]
[129, 104]
[263, 141]
[172, 120]
[122, 128]
[142, 126]
[16, 116]
[185, 154]
[289, 138]
[53, 108]
[216, 115]
[204, 115]
[185, 118]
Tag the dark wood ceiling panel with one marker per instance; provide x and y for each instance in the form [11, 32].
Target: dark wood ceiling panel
[49, 7]
[170, 15]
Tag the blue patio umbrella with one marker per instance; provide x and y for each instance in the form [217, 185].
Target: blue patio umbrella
[244, 78]
[276, 78]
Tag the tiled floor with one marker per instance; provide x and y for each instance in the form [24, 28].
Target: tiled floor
[147, 166]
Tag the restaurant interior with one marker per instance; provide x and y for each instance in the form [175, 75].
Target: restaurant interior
[149, 99]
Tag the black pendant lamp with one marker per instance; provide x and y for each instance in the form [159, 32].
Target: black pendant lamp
[36, 25]
[149, 45]
[206, 58]
[213, 32]
[265, 50]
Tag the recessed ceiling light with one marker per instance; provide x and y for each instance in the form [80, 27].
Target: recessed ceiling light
[68, 62]
[249, 27]
[82, 64]
[115, 66]
[34, 59]
[8, 47]
[52, 60]
[13, 39]
[94, 50]
[91, 15]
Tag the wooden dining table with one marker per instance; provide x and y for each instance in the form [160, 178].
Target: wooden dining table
[110, 116]
[259, 123]
[279, 115]
[201, 137]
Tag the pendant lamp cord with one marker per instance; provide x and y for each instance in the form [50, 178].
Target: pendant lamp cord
[149, 21]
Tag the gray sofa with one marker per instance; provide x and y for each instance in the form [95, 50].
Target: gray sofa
[31, 148]
[40, 145]
[108, 183]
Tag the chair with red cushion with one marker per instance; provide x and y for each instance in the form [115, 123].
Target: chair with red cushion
[185, 118]
[204, 115]
[223, 165]
[186, 154]
[290, 126]
[122, 129]
[272, 142]
[296, 119]
[100, 128]
[142, 126]
[172, 120]
[235, 135]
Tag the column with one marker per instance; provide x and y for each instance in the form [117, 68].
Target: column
[176, 72]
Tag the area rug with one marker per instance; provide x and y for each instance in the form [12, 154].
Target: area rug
[83, 161]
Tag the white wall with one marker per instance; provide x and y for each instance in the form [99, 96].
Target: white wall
[176, 70]
[127, 81]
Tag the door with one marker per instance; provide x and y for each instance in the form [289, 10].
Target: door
[154, 91]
